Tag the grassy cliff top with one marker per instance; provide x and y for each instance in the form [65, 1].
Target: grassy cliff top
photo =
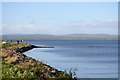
[18, 65]
[14, 45]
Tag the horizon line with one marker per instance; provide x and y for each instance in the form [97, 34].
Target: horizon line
[61, 34]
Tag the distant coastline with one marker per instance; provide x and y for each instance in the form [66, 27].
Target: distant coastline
[59, 37]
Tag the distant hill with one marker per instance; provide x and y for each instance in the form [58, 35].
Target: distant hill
[60, 37]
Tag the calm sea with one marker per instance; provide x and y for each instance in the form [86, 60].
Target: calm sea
[91, 58]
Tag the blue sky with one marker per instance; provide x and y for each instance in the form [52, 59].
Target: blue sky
[59, 18]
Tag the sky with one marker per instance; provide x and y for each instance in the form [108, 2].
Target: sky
[58, 18]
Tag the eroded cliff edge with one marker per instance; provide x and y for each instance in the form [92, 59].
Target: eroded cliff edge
[12, 55]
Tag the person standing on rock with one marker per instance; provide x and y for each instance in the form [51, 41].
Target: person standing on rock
[17, 41]
[21, 40]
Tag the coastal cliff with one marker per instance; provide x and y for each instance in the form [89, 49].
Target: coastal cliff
[15, 64]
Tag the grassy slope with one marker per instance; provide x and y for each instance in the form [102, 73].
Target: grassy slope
[36, 71]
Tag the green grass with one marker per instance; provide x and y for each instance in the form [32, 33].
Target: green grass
[13, 71]
[13, 44]
[2, 40]
[33, 72]
[0, 72]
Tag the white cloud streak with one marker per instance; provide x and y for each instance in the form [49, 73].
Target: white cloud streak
[94, 27]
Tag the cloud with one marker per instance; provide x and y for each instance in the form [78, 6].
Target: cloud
[0, 29]
[91, 27]
[96, 23]
[29, 28]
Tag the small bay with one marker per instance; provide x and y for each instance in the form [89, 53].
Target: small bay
[91, 58]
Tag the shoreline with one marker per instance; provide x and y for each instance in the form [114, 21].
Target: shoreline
[27, 48]
[14, 55]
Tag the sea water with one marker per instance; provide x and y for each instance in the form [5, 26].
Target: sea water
[90, 58]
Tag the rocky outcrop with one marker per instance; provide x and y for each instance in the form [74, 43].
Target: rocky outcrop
[29, 47]
[24, 48]
[14, 55]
